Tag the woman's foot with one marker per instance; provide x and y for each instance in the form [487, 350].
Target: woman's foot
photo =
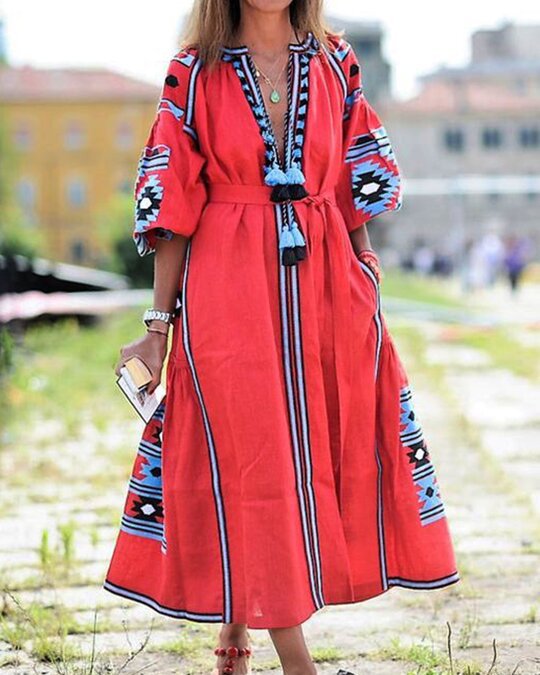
[234, 662]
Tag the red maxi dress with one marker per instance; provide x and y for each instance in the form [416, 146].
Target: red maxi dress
[286, 468]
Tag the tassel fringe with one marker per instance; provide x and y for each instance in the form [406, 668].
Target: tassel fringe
[295, 175]
[276, 177]
[292, 244]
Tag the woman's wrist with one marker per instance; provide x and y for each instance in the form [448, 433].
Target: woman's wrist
[158, 326]
[156, 331]
[370, 258]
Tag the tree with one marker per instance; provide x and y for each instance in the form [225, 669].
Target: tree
[115, 226]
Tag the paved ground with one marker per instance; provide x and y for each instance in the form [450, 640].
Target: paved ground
[483, 427]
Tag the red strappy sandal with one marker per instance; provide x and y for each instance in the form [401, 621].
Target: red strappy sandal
[231, 653]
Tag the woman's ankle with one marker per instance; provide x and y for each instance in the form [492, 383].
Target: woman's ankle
[234, 633]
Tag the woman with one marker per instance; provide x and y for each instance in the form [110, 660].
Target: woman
[285, 469]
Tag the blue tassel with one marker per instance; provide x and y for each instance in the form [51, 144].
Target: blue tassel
[286, 239]
[275, 177]
[298, 236]
[295, 176]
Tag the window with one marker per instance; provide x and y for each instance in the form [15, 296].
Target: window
[124, 136]
[78, 251]
[26, 193]
[22, 136]
[76, 192]
[454, 140]
[491, 137]
[74, 137]
[529, 137]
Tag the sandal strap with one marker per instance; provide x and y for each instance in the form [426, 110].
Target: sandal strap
[232, 652]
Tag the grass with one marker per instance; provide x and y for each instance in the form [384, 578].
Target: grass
[186, 646]
[531, 616]
[503, 349]
[407, 286]
[419, 654]
[43, 629]
[57, 564]
[427, 659]
[327, 654]
[43, 632]
[66, 371]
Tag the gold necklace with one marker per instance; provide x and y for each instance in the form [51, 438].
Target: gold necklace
[275, 96]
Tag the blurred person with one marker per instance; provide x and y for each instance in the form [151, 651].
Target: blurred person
[464, 262]
[423, 259]
[475, 266]
[442, 264]
[286, 468]
[492, 252]
[516, 257]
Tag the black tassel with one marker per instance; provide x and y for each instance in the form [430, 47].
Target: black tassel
[300, 252]
[288, 256]
[280, 193]
[297, 191]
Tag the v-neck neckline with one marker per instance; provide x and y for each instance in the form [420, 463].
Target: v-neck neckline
[309, 43]
[290, 166]
[282, 162]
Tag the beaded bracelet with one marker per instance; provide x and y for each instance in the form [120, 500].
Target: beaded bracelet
[156, 330]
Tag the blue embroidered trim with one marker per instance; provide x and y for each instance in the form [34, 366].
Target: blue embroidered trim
[144, 512]
[431, 507]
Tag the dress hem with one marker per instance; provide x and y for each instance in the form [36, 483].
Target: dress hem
[198, 617]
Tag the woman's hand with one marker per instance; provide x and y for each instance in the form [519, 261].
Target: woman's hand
[152, 350]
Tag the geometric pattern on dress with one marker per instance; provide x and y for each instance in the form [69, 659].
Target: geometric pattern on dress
[298, 139]
[375, 185]
[342, 50]
[431, 507]
[143, 512]
[375, 141]
[154, 158]
[185, 58]
[148, 202]
[166, 105]
[351, 100]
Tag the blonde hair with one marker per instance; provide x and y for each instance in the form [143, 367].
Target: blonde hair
[213, 23]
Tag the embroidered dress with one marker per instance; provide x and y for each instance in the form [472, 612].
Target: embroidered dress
[286, 468]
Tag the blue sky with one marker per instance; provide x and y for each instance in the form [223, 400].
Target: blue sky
[138, 38]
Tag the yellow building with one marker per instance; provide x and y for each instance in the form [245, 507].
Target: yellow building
[76, 136]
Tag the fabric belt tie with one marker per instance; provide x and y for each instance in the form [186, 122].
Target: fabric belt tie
[292, 244]
[260, 194]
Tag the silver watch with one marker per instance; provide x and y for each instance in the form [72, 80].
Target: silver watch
[153, 314]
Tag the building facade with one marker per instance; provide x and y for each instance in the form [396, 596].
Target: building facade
[367, 39]
[75, 136]
[469, 147]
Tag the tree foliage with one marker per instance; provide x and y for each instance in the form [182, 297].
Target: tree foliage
[115, 227]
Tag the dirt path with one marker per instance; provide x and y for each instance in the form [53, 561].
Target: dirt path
[482, 427]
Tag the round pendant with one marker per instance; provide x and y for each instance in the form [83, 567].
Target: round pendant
[275, 97]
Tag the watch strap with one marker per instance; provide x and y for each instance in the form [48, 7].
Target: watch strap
[153, 314]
